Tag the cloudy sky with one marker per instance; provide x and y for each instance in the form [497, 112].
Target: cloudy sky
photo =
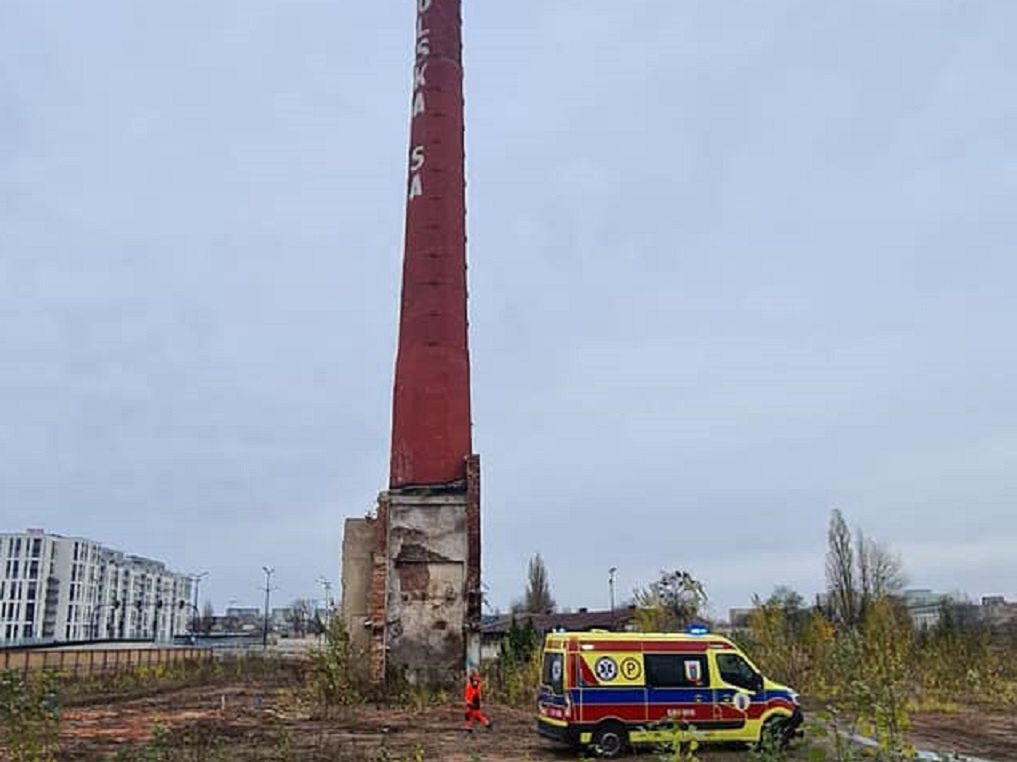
[732, 265]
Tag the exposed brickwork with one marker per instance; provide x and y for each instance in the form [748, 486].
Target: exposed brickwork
[379, 592]
[473, 592]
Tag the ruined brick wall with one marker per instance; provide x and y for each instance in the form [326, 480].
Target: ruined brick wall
[473, 591]
[427, 590]
[379, 592]
[412, 595]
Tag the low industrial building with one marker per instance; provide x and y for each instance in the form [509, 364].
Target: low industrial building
[494, 630]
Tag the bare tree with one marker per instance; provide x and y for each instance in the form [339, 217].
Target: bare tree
[840, 572]
[858, 573]
[299, 616]
[672, 603]
[538, 589]
[880, 573]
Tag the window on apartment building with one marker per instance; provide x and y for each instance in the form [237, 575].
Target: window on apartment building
[33, 570]
[36, 547]
[17, 546]
[32, 591]
[9, 632]
[29, 612]
[29, 631]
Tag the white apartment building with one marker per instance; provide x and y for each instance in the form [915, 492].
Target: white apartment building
[59, 589]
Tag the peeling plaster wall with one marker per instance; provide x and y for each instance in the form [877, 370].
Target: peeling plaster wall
[357, 561]
[426, 602]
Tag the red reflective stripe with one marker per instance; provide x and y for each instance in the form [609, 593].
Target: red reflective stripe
[758, 710]
[623, 712]
[587, 674]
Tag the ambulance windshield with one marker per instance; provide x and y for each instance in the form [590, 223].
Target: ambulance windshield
[553, 671]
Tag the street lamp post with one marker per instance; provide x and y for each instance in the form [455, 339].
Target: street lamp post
[269, 571]
[181, 605]
[610, 586]
[327, 588]
[114, 604]
[197, 583]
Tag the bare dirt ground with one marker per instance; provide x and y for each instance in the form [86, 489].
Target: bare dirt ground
[245, 722]
[991, 735]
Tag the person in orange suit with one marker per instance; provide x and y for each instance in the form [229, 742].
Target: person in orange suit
[472, 697]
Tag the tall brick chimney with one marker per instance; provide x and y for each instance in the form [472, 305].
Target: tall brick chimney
[411, 573]
[431, 406]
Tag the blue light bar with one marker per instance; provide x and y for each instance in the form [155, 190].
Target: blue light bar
[698, 629]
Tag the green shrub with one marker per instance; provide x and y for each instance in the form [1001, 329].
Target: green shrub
[29, 717]
[331, 679]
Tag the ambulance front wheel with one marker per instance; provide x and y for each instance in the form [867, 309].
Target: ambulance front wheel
[610, 739]
[775, 735]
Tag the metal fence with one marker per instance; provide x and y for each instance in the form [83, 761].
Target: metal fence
[89, 662]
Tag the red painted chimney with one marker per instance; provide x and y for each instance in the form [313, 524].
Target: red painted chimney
[431, 407]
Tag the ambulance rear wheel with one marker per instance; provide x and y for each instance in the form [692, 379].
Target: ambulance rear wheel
[610, 739]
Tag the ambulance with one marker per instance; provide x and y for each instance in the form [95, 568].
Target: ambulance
[616, 690]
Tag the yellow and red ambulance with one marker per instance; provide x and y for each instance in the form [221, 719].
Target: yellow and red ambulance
[613, 690]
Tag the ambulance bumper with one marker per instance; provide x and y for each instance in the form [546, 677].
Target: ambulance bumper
[561, 734]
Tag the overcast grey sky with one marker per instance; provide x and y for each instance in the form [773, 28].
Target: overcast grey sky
[732, 265]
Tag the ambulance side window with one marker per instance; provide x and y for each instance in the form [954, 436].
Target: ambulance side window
[734, 670]
[676, 671]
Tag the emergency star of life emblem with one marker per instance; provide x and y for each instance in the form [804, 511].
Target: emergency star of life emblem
[606, 669]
